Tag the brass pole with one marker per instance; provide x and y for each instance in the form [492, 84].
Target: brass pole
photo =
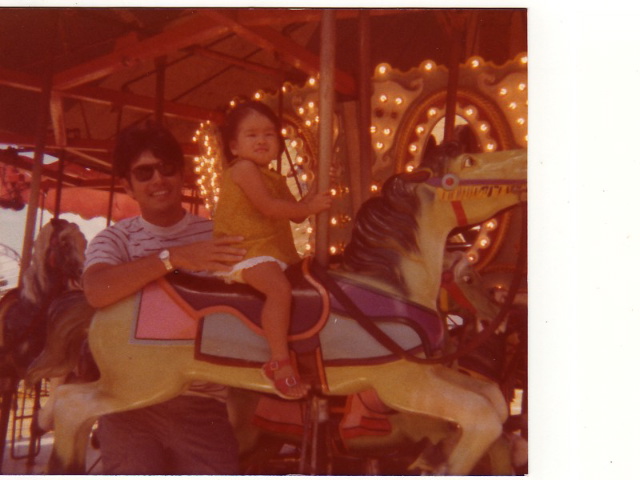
[364, 81]
[36, 171]
[326, 107]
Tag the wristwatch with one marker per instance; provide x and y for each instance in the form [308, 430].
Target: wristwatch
[165, 257]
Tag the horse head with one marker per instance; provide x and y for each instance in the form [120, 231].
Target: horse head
[398, 237]
[57, 261]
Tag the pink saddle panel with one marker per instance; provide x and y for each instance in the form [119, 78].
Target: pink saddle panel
[161, 316]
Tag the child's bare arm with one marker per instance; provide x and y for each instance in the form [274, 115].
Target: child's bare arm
[317, 202]
[248, 177]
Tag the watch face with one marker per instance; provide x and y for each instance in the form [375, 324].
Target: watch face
[164, 257]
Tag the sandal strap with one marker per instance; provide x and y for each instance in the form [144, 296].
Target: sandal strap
[275, 365]
[290, 381]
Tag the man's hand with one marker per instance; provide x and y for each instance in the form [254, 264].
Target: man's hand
[212, 255]
[105, 284]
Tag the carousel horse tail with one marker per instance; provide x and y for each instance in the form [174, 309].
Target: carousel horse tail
[69, 317]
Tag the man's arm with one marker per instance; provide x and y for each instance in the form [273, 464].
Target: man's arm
[105, 284]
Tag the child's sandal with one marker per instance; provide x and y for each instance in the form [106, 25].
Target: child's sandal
[282, 385]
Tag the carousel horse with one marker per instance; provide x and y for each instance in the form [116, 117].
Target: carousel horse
[395, 266]
[55, 269]
[61, 359]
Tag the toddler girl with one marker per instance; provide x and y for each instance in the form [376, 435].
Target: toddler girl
[256, 203]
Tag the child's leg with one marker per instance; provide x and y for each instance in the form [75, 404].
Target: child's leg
[269, 279]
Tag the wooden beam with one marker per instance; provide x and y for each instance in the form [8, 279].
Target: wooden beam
[92, 158]
[194, 30]
[83, 144]
[48, 171]
[256, 67]
[285, 16]
[143, 103]
[22, 81]
[28, 141]
[288, 50]
[56, 109]
[112, 97]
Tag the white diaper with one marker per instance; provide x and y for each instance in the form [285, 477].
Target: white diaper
[235, 275]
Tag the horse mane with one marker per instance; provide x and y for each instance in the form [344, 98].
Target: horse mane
[69, 316]
[52, 268]
[385, 230]
[34, 278]
[436, 157]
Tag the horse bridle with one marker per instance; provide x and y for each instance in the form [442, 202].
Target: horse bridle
[449, 183]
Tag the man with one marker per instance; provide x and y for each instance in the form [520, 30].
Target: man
[190, 434]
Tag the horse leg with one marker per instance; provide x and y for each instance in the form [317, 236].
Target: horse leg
[242, 405]
[77, 407]
[75, 410]
[434, 394]
[486, 388]
[44, 416]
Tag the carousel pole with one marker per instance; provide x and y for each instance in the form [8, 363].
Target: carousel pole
[36, 172]
[364, 93]
[458, 21]
[112, 185]
[61, 160]
[326, 107]
[161, 68]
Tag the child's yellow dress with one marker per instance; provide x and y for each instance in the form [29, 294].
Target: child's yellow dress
[265, 238]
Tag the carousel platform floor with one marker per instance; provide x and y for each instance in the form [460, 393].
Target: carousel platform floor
[15, 460]
[19, 466]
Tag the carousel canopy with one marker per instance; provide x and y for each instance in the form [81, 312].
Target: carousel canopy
[81, 74]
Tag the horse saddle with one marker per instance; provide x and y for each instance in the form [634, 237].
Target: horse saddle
[185, 306]
[224, 319]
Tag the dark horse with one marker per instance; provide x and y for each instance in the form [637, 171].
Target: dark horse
[55, 270]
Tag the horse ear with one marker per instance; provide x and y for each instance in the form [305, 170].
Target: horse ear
[428, 152]
[431, 143]
[417, 176]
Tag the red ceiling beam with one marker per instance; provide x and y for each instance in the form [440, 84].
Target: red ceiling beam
[194, 30]
[48, 171]
[147, 104]
[22, 81]
[86, 145]
[19, 80]
[56, 109]
[288, 50]
[28, 141]
[245, 64]
[284, 16]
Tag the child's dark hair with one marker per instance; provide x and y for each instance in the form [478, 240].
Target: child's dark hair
[229, 129]
[136, 139]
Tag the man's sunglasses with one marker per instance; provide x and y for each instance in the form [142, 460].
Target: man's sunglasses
[143, 173]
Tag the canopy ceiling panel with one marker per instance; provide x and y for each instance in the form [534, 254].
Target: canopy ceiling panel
[105, 64]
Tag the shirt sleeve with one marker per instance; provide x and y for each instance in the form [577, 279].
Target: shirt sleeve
[108, 246]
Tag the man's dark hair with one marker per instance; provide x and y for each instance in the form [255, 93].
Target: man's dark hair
[229, 129]
[136, 139]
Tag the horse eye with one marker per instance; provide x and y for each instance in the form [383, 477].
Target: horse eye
[469, 162]
[467, 279]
